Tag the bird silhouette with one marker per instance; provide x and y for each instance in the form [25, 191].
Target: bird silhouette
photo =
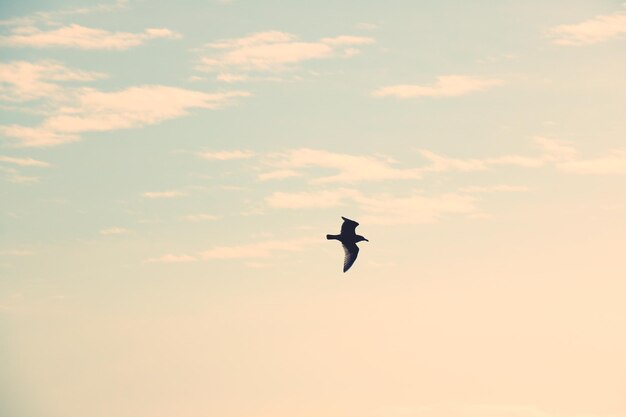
[348, 239]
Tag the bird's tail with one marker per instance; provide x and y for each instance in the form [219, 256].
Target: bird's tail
[329, 237]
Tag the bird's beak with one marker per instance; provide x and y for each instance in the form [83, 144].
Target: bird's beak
[366, 240]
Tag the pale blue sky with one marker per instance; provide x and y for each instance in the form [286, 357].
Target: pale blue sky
[168, 172]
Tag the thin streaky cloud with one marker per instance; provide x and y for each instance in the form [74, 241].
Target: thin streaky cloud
[445, 86]
[164, 194]
[24, 81]
[112, 231]
[25, 162]
[50, 17]
[263, 249]
[595, 30]
[612, 164]
[379, 208]
[225, 155]
[14, 176]
[273, 51]
[199, 217]
[351, 168]
[82, 37]
[494, 188]
[171, 258]
[93, 111]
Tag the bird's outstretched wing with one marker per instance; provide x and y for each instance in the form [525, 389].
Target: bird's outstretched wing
[351, 252]
[348, 226]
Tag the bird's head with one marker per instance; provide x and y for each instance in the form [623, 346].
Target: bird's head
[360, 238]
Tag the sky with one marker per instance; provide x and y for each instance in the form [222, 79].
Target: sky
[169, 171]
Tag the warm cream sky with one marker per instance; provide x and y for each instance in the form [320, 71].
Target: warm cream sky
[168, 174]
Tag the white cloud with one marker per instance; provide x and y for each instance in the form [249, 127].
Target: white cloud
[114, 231]
[379, 208]
[94, 110]
[494, 188]
[225, 155]
[310, 199]
[595, 30]
[172, 258]
[164, 194]
[555, 149]
[351, 168]
[611, 164]
[50, 17]
[23, 81]
[14, 176]
[199, 217]
[81, 37]
[445, 86]
[262, 249]
[272, 51]
[278, 174]
[25, 162]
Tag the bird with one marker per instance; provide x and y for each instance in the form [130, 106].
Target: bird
[348, 239]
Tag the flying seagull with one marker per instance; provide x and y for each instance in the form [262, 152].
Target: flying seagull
[348, 239]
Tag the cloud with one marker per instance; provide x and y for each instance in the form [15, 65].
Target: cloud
[164, 194]
[310, 199]
[225, 155]
[50, 17]
[24, 81]
[273, 51]
[494, 189]
[93, 110]
[262, 249]
[114, 231]
[14, 176]
[380, 208]
[81, 37]
[25, 162]
[445, 86]
[171, 258]
[278, 175]
[351, 168]
[595, 30]
[611, 164]
[199, 217]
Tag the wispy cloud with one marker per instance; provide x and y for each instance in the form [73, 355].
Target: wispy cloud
[595, 30]
[199, 217]
[14, 176]
[23, 81]
[379, 208]
[51, 17]
[273, 51]
[494, 188]
[164, 194]
[25, 162]
[172, 258]
[93, 110]
[114, 231]
[611, 164]
[81, 37]
[351, 168]
[262, 249]
[445, 86]
[225, 155]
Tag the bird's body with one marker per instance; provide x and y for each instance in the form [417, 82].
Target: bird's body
[348, 239]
